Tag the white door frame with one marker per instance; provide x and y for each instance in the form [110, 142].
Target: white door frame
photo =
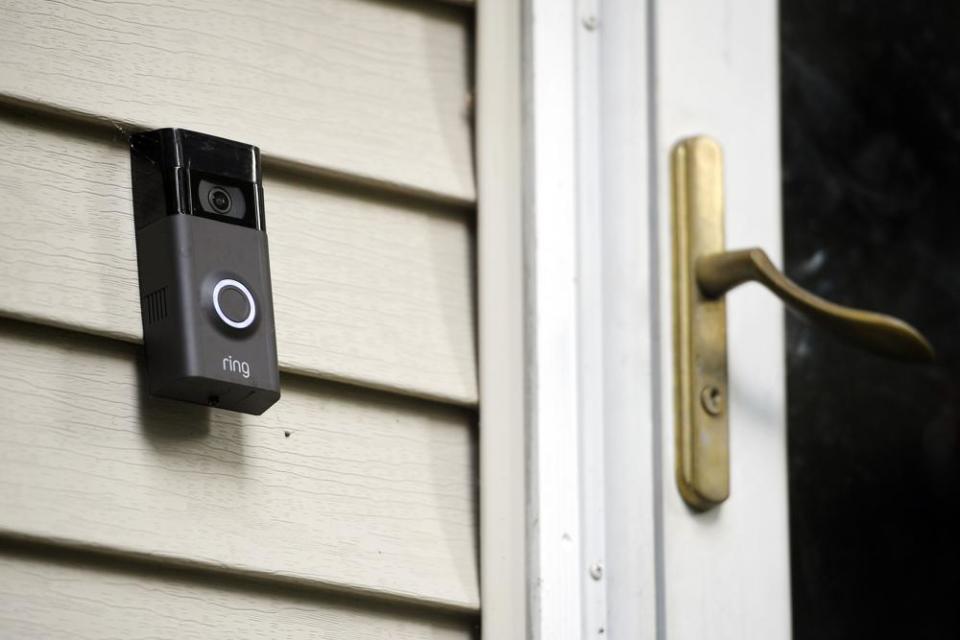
[566, 511]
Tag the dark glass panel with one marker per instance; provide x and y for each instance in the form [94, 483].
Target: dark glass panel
[871, 167]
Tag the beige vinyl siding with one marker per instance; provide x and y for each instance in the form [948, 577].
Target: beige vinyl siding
[335, 486]
[369, 288]
[61, 598]
[347, 510]
[377, 91]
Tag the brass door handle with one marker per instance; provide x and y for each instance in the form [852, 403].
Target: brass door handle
[703, 271]
[885, 335]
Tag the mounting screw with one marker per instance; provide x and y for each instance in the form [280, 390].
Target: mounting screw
[589, 22]
[596, 571]
[712, 400]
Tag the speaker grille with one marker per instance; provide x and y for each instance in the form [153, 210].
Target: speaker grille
[155, 306]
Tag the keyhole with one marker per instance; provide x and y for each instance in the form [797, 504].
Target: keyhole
[712, 400]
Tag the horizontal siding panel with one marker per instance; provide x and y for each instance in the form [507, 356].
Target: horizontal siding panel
[374, 291]
[375, 90]
[334, 486]
[61, 599]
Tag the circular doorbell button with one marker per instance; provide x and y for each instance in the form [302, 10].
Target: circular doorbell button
[234, 303]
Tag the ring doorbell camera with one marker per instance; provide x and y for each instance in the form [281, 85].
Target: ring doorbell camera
[205, 294]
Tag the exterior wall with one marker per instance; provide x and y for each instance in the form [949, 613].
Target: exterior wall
[349, 508]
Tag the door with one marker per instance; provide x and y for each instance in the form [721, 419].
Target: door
[725, 570]
[838, 161]
[829, 146]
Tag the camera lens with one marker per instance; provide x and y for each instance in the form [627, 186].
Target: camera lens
[219, 199]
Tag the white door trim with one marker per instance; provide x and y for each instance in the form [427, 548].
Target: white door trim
[565, 266]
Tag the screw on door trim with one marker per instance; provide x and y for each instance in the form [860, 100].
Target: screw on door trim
[596, 571]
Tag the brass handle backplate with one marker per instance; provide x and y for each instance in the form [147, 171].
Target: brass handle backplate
[703, 272]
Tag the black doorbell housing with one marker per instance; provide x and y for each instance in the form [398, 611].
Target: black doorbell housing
[205, 295]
